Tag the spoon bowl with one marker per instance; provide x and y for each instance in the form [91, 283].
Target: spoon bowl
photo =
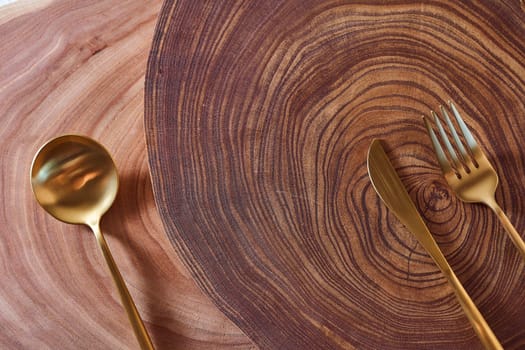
[75, 179]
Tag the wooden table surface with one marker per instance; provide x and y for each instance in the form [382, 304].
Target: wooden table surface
[78, 67]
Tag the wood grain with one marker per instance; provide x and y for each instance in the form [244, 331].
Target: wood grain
[258, 119]
[78, 67]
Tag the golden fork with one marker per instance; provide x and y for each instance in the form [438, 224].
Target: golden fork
[468, 173]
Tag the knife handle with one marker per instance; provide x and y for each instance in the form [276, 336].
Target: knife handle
[482, 329]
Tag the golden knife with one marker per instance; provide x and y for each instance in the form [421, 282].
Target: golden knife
[391, 190]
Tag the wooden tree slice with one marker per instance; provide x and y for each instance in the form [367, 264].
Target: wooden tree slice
[78, 67]
[258, 119]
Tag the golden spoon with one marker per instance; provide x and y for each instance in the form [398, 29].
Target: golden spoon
[75, 180]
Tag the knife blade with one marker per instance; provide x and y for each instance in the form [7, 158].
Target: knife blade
[393, 193]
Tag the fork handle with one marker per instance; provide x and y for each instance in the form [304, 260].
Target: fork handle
[482, 329]
[511, 231]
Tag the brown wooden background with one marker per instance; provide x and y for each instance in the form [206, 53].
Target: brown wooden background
[258, 118]
[78, 67]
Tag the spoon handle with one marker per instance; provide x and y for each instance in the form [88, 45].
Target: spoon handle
[138, 327]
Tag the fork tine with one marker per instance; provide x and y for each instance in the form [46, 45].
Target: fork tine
[471, 142]
[446, 141]
[442, 159]
[462, 151]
